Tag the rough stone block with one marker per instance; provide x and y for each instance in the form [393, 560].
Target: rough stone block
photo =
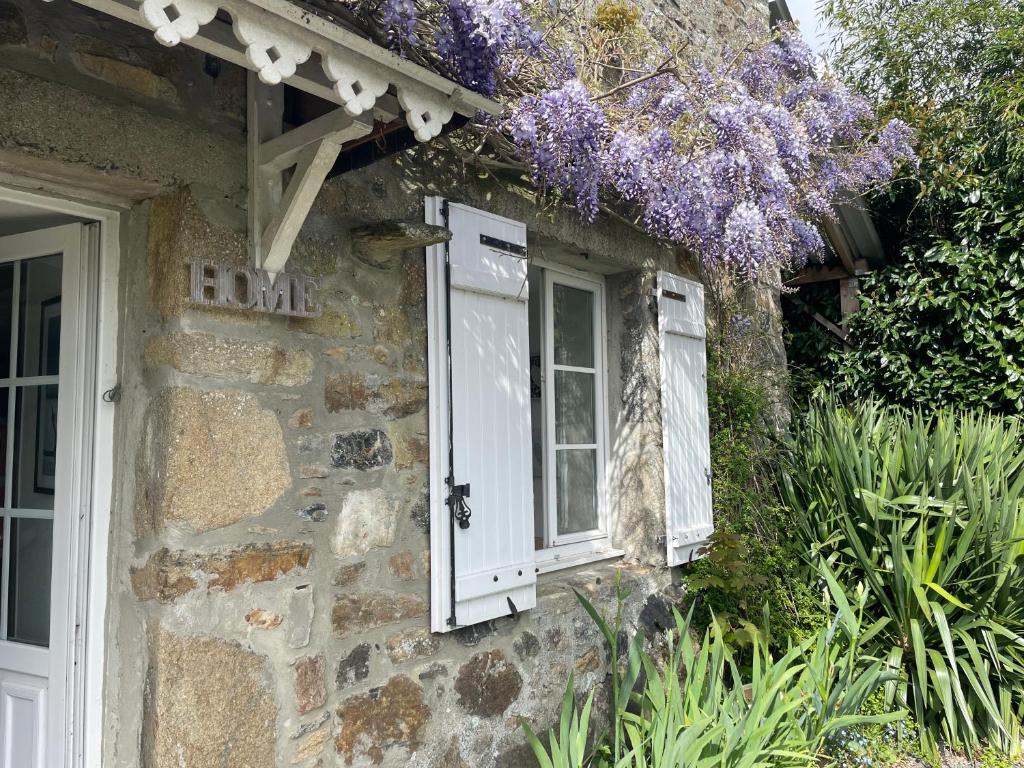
[168, 575]
[207, 703]
[363, 449]
[487, 684]
[378, 244]
[410, 443]
[310, 685]
[391, 326]
[349, 574]
[178, 232]
[13, 30]
[372, 723]
[589, 661]
[333, 323]
[346, 392]
[315, 512]
[204, 354]
[126, 76]
[526, 646]
[311, 747]
[402, 566]
[393, 397]
[301, 419]
[259, 618]
[355, 667]
[364, 610]
[367, 520]
[301, 608]
[209, 459]
[412, 644]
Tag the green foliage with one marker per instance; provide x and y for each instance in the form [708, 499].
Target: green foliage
[875, 745]
[940, 324]
[945, 327]
[750, 560]
[699, 709]
[922, 518]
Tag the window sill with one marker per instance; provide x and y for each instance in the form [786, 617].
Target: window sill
[548, 560]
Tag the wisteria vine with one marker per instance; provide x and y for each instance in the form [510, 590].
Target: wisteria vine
[737, 161]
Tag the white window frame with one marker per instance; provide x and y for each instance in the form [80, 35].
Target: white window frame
[595, 544]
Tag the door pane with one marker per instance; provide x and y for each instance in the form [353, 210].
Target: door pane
[574, 407]
[28, 595]
[6, 296]
[35, 447]
[576, 481]
[574, 326]
[39, 317]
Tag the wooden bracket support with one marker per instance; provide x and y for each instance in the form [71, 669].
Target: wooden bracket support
[278, 209]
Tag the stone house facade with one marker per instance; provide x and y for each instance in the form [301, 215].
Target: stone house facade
[251, 571]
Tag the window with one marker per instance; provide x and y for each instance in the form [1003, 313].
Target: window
[568, 414]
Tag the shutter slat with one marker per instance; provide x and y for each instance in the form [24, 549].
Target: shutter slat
[490, 421]
[684, 412]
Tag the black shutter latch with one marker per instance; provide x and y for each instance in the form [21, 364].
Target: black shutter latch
[457, 504]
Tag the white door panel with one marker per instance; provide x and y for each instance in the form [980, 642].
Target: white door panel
[22, 722]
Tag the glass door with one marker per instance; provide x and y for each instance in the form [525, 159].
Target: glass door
[38, 285]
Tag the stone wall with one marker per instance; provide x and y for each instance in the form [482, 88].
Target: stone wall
[269, 567]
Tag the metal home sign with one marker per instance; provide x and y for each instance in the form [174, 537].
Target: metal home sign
[253, 289]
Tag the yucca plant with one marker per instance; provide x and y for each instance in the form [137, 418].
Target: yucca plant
[924, 513]
[699, 708]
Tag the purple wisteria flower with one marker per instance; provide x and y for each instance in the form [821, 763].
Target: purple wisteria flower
[739, 165]
[563, 133]
[737, 162]
[474, 34]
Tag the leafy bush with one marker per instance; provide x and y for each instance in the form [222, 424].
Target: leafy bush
[700, 709]
[925, 514]
[751, 561]
[941, 323]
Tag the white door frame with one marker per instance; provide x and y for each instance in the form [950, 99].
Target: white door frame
[94, 480]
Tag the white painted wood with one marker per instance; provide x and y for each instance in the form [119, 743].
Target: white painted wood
[89, 579]
[22, 724]
[282, 152]
[276, 212]
[271, 37]
[489, 342]
[594, 285]
[18, 662]
[264, 119]
[312, 168]
[684, 415]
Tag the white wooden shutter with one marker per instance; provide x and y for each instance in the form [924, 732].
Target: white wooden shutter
[684, 416]
[484, 302]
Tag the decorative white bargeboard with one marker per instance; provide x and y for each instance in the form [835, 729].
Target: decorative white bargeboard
[285, 43]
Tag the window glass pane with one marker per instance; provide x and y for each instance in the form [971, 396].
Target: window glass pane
[35, 447]
[574, 407]
[39, 317]
[6, 295]
[4, 443]
[28, 594]
[576, 489]
[574, 326]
